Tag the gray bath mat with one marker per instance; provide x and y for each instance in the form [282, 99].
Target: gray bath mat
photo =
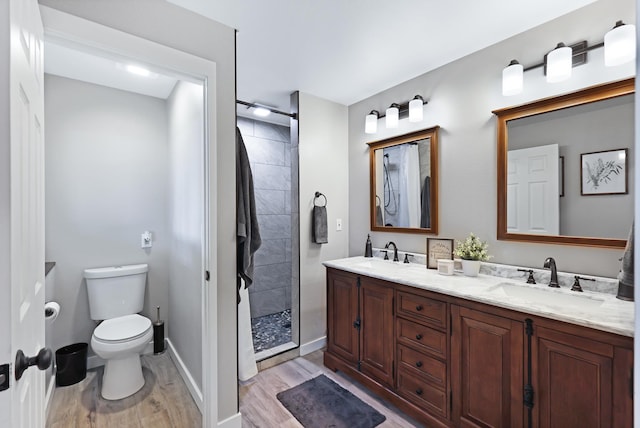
[322, 403]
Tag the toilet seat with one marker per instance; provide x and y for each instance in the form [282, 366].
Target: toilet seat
[122, 329]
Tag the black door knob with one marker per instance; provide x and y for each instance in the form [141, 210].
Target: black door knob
[419, 364]
[419, 391]
[418, 336]
[42, 360]
[419, 308]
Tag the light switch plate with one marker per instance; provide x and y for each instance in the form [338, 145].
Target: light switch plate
[339, 224]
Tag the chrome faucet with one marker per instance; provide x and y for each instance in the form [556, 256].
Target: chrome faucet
[550, 263]
[395, 250]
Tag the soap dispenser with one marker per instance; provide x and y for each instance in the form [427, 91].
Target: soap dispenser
[368, 251]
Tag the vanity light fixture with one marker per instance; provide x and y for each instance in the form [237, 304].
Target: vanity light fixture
[416, 113]
[413, 109]
[559, 63]
[392, 116]
[619, 48]
[512, 78]
[371, 122]
[620, 44]
[261, 111]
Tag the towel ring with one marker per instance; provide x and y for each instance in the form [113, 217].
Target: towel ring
[318, 194]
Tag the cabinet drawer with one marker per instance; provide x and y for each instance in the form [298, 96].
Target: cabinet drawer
[427, 310]
[434, 370]
[426, 339]
[421, 393]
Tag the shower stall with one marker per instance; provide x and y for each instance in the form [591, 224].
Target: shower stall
[274, 165]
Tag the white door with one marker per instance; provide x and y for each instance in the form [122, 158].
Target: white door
[532, 191]
[23, 402]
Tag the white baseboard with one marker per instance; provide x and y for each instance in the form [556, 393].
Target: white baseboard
[314, 345]
[192, 386]
[234, 421]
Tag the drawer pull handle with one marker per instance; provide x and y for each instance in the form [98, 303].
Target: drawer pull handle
[419, 308]
[419, 364]
[419, 391]
[418, 336]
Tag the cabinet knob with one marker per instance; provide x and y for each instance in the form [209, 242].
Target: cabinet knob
[419, 308]
[419, 364]
[419, 391]
[418, 336]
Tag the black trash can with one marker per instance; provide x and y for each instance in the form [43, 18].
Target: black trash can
[71, 362]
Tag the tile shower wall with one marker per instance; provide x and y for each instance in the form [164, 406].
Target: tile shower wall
[269, 149]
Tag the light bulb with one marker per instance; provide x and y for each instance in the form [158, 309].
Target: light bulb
[512, 78]
[392, 116]
[371, 122]
[620, 44]
[559, 63]
[416, 112]
[261, 111]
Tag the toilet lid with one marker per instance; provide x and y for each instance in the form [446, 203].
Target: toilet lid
[126, 327]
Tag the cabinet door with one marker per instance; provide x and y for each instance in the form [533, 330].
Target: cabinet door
[573, 380]
[486, 370]
[376, 338]
[342, 313]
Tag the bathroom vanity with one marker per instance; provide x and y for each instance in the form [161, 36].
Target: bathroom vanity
[454, 351]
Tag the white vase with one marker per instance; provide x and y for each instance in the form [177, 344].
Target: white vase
[471, 267]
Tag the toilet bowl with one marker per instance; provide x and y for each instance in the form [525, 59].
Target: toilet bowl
[116, 295]
[119, 341]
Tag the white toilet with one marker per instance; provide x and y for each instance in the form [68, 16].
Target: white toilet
[116, 295]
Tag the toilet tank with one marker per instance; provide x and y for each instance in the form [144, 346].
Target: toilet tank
[116, 291]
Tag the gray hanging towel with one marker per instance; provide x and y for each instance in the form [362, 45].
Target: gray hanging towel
[425, 204]
[320, 231]
[247, 230]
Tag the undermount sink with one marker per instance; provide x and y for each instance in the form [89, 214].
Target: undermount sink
[551, 297]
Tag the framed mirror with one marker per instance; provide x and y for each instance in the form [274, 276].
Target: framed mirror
[404, 183]
[565, 168]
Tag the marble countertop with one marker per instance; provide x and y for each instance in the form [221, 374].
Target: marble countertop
[590, 309]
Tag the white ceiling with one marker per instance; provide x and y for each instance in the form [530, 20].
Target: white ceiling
[348, 50]
[93, 67]
[340, 50]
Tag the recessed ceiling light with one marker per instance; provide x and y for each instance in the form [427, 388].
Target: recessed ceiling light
[261, 111]
[137, 70]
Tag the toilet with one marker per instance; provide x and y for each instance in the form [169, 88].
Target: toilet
[116, 295]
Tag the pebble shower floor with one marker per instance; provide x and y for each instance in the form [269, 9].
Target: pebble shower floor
[271, 330]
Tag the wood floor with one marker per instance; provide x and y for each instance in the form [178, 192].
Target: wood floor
[164, 401]
[261, 409]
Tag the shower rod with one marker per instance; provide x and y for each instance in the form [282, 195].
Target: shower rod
[248, 104]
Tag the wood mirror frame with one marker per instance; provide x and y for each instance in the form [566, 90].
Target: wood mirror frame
[585, 96]
[432, 134]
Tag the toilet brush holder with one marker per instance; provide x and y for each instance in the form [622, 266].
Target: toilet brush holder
[158, 334]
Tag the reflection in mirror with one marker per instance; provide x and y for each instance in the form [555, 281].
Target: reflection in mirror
[545, 150]
[403, 183]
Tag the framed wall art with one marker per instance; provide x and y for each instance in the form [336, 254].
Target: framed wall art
[438, 249]
[604, 173]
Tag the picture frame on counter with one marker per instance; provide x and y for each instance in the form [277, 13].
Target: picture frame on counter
[438, 248]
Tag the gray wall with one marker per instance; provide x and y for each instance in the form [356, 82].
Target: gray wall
[186, 218]
[269, 149]
[606, 125]
[215, 42]
[106, 183]
[323, 149]
[462, 95]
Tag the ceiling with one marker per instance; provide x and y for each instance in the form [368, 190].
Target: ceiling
[348, 50]
[340, 50]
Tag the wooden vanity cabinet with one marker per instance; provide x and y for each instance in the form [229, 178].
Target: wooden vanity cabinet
[450, 362]
[360, 324]
[486, 369]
